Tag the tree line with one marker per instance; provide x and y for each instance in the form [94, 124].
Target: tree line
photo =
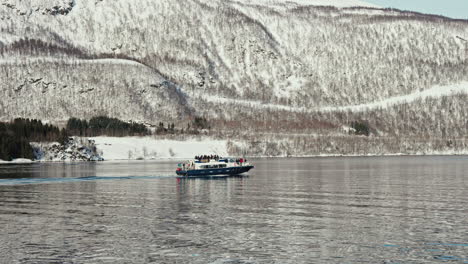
[193, 127]
[16, 136]
[103, 125]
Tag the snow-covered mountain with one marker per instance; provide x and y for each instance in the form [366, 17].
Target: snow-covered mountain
[309, 65]
[335, 3]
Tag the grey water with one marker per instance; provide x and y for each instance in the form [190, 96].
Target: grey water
[308, 210]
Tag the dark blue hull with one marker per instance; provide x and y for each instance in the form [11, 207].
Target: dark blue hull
[212, 172]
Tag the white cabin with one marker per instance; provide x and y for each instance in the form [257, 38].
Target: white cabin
[211, 164]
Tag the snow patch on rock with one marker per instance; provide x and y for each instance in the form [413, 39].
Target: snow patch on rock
[76, 149]
[17, 161]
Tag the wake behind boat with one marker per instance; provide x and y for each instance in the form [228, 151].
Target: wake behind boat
[213, 165]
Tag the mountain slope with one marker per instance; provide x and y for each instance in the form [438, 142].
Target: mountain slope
[335, 3]
[230, 61]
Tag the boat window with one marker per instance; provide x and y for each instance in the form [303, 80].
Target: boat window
[213, 166]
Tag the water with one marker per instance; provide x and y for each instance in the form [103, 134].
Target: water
[323, 210]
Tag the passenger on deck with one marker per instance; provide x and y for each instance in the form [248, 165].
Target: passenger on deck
[207, 157]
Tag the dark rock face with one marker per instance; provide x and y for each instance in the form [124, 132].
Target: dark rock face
[46, 7]
[60, 10]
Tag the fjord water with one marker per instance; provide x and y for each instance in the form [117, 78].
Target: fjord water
[310, 210]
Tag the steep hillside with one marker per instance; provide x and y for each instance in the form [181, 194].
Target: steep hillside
[55, 89]
[315, 63]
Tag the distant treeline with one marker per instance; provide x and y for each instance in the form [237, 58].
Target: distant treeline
[106, 126]
[102, 125]
[15, 137]
[194, 127]
[360, 128]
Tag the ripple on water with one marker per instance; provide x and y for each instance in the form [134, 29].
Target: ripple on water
[337, 210]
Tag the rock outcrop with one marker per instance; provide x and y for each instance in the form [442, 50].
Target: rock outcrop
[76, 149]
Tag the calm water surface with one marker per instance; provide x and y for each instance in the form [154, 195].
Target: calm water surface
[323, 210]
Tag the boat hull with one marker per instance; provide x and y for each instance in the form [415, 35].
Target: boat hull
[213, 172]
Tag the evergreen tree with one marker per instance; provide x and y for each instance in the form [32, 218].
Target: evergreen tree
[360, 128]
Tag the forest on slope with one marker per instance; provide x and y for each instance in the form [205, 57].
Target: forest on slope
[244, 65]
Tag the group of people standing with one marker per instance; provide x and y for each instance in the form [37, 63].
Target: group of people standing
[207, 157]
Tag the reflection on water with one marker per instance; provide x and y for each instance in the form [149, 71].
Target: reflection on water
[333, 210]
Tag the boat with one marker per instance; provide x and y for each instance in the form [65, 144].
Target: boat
[213, 167]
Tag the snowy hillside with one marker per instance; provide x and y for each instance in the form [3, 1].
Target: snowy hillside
[299, 66]
[336, 3]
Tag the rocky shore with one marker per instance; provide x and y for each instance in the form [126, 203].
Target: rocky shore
[76, 149]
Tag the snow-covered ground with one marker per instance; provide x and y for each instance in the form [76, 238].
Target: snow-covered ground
[150, 148]
[131, 148]
[108, 61]
[17, 161]
[337, 3]
[433, 92]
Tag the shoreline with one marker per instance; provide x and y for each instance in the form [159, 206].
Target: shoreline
[29, 162]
